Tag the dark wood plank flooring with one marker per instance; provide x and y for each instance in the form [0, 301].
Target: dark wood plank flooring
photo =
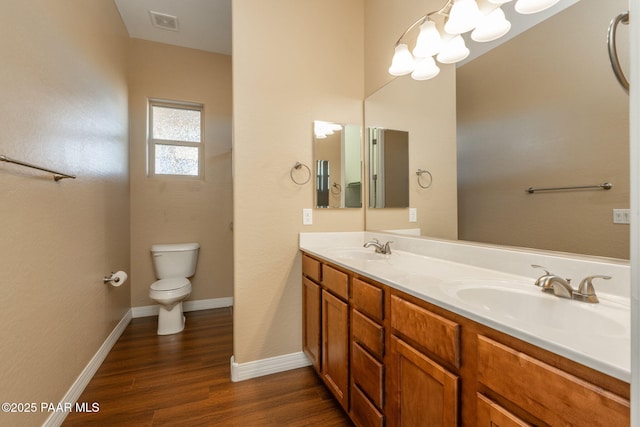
[184, 380]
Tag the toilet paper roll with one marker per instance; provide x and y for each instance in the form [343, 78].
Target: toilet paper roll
[118, 278]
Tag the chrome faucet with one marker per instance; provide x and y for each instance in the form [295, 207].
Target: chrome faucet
[562, 287]
[380, 248]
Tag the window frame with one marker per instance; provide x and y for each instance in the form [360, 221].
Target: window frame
[153, 142]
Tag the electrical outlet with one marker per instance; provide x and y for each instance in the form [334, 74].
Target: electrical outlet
[413, 215]
[621, 216]
[307, 216]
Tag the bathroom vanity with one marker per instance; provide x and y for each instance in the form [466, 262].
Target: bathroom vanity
[396, 340]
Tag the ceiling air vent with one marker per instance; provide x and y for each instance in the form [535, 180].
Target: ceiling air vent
[164, 21]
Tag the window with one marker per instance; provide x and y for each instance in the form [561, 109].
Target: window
[175, 138]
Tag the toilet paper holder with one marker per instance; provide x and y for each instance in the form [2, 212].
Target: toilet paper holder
[111, 278]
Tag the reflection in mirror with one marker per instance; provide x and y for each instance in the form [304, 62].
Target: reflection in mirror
[531, 113]
[388, 168]
[338, 165]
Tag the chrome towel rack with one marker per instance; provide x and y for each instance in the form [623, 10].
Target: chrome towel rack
[57, 176]
[604, 186]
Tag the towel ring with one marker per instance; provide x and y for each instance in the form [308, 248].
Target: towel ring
[299, 166]
[421, 172]
[337, 187]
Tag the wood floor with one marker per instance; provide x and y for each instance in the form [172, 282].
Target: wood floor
[184, 380]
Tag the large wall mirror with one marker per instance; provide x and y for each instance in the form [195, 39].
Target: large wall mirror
[337, 150]
[541, 110]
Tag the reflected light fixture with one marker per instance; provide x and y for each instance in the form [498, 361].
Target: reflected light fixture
[440, 33]
[323, 129]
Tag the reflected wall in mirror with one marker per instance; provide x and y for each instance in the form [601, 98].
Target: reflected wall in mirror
[556, 117]
[426, 110]
[337, 152]
[542, 110]
[388, 168]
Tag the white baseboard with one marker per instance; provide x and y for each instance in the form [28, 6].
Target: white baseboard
[56, 418]
[272, 365]
[203, 304]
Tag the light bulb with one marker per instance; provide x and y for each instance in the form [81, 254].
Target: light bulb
[429, 41]
[533, 6]
[499, 1]
[426, 69]
[491, 27]
[402, 62]
[453, 50]
[463, 17]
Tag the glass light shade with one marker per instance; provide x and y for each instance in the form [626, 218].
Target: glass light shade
[533, 6]
[463, 17]
[426, 69]
[499, 1]
[402, 62]
[429, 41]
[453, 51]
[491, 27]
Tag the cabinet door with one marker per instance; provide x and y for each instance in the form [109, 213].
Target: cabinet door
[490, 414]
[311, 321]
[335, 347]
[422, 393]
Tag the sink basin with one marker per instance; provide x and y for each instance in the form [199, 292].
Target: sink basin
[362, 254]
[532, 306]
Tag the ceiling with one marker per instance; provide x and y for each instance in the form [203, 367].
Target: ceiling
[202, 24]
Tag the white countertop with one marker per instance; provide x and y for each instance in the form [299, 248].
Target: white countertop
[595, 335]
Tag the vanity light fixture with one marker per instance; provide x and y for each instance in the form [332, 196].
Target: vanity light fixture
[323, 129]
[440, 33]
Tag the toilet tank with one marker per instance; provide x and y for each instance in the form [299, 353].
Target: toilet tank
[175, 260]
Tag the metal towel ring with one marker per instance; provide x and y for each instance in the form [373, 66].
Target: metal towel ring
[613, 51]
[337, 187]
[422, 172]
[299, 166]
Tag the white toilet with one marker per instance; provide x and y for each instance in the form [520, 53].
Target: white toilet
[173, 264]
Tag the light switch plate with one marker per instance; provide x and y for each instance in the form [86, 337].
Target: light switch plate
[307, 216]
[621, 216]
[413, 215]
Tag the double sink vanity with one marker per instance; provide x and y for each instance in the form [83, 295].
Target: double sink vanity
[448, 333]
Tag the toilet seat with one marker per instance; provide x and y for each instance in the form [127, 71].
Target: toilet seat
[171, 284]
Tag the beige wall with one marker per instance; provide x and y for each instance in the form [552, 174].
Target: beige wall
[64, 105]
[179, 210]
[294, 62]
[427, 110]
[554, 116]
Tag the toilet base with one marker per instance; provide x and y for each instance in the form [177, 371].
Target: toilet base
[170, 321]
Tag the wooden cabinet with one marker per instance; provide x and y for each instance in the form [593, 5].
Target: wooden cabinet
[311, 306]
[545, 392]
[490, 414]
[422, 392]
[367, 354]
[335, 347]
[393, 359]
[311, 297]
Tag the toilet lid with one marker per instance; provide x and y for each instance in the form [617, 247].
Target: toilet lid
[170, 284]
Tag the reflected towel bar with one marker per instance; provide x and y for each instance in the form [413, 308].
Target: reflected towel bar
[605, 186]
[56, 175]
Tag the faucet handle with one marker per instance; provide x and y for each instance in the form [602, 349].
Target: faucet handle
[586, 286]
[387, 248]
[547, 273]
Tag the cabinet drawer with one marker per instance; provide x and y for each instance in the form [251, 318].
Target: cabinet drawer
[491, 414]
[550, 394]
[367, 373]
[311, 268]
[364, 413]
[368, 299]
[336, 281]
[367, 333]
[436, 334]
